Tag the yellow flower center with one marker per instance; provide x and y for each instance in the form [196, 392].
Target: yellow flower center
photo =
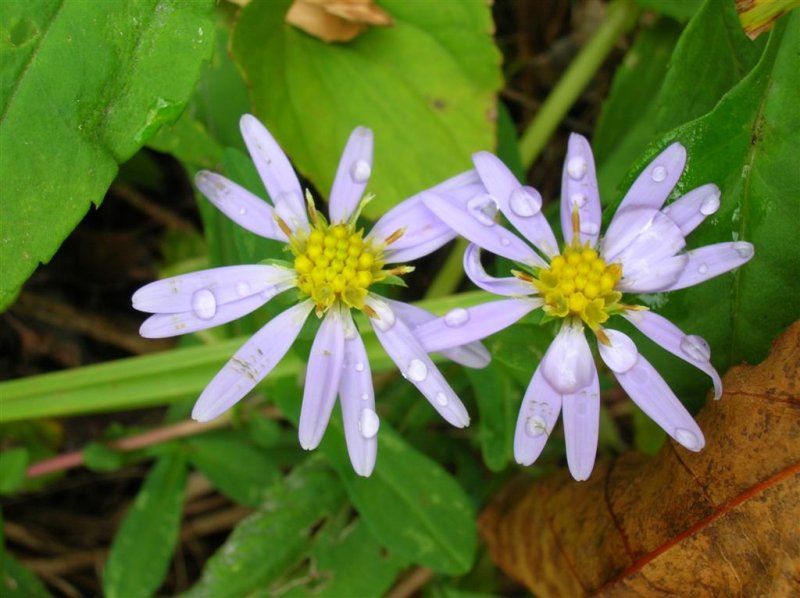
[580, 284]
[334, 263]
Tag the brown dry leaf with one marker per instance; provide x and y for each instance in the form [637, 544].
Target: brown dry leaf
[336, 20]
[722, 522]
[757, 16]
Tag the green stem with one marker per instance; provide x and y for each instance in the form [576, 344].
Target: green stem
[451, 273]
[620, 17]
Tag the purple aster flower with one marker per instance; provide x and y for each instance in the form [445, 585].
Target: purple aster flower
[583, 286]
[333, 266]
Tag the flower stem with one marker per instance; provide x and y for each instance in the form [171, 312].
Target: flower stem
[620, 18]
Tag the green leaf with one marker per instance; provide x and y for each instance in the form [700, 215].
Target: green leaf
[142, 549]
[99, 457]
[13, 463]
[83, 88]
[410, 504]
[264, 544]
[682, 10]
[498, 401]
[236, 467]
[16, 581]
[426, 86]
[748, 146]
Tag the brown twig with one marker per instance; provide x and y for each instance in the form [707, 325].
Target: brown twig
[410, 583]
[156, 212]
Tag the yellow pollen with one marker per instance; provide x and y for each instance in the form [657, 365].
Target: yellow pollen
[579, 284]
[334, 263]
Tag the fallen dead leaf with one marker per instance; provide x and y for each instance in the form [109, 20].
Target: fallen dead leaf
[722, 522]
[757, 16]
[336, 20]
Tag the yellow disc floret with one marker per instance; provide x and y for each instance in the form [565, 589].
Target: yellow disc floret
[335, 263]
[580, 284]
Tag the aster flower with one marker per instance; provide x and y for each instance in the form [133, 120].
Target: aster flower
[334, 265]
[583, 286]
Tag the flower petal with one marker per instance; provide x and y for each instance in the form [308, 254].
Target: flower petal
[654, 184]
[276, 172]
[509, 286]
[649, 391]
[355, 167]
[521, 205]
[581, 427]
[357, 400]
[689, 211]
[206, 314]
[322, 380]
[251, 363]
[475, 221]
[579, 188]
[536, 420]
[710, 261]
[661, 240]
[226, 285]
[237, 203]
[656, 277]
[423, 232]
[692, 349]
[406, 351]
[568, 365]
[471, 355]
[461, 325]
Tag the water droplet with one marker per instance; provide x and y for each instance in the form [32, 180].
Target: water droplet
[702, 268]
[483, 208]
[242, 211]
[710, 204]
[365, 397]
[368, 423]
[359, 367]
[360, 171]
[386, 317]
[659, 174]
[696, 347]
[243, 289]
[524, 203]
[417, 370]
[268, 293]
[745, 250]
[441, 398]
[536, 426]
[620, 355]
[204, 304]
[589, 228]
[687, 438]
[505, 242]
[349, 330]
[456, 317]
[576, 168]
[578, 199]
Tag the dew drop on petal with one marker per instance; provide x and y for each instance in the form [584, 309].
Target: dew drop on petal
[360, 171]
[204, 304]
[578, 199]
[456, 317]
[535, 426]
[417, 371]
[576, 168]
[268, 293]
[745, 250]
[589, 228]
[349, 330]
[687, 438]
[365, 397]
[441, 398]
[505, 242]
[696, 347]
[483, 208]
[385, 316]
[524, 203]
[702, 268]
[659, 174]
[710, 204]
[368, 423]
[243, 289]
[359, 367]
[242, 211]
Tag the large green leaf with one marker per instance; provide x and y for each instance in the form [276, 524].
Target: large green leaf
[498, 401]
[426, 86]
[16, 581]
[748, 145]
[84, 85]
[142, 549]
[261, 547]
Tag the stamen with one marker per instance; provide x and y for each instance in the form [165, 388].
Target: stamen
[361, 205]
[523, 276]
[576, 220]
[400, 270]
[602, 337]
[395, 236]
[283, 226]
[312, 210]
[371, 312]
[629, 307]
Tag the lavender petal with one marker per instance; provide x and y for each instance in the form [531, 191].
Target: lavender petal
[690, 210]
[656, 277]
[661, 240]
[568, 365]
[322, 380]
[581, 412]
[355, 167]
[251, 363]
[509, 286]
[579, 189]
[536, 420]
[707, 262]
[654, 184]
